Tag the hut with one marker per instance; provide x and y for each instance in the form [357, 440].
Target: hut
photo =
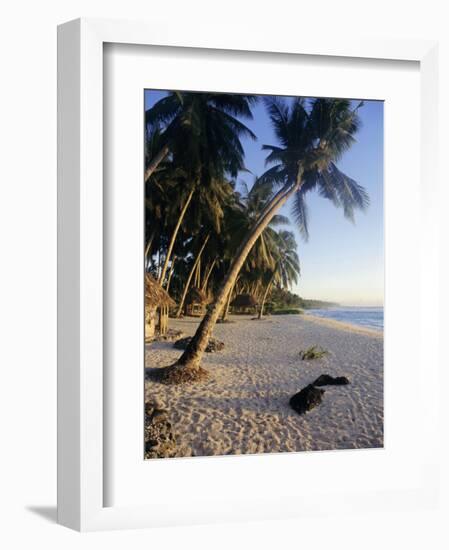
[244, 303]
[157, 304]
[196, 302]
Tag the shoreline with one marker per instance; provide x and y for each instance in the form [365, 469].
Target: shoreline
[244, 407]
[341, 325]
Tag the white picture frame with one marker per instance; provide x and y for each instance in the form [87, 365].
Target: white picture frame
[81, 400]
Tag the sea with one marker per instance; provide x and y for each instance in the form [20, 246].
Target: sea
[371, 317]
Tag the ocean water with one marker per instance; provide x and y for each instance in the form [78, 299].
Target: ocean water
[371, 317]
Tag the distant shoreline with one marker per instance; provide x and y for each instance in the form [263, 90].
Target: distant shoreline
[344, 326]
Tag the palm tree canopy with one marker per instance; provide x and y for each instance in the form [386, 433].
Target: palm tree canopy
[287, 268]
[203, 130]
[313, 135]
[244, 215]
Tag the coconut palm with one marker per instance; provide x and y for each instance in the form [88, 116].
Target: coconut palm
[240, 218]
[191, 273]
[160, 196]
[203, 136]
[207, 204]
[286, 269]
[195, 123]
[312, 137]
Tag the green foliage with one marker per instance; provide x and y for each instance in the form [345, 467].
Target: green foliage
[281, 298]
[205, 134]
[314, 352]
[313, 134]
[291, 311]
[317, 304]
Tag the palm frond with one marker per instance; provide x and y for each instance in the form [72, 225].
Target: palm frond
[237, 126]
[273, 177]
[278, 111]
[279, 219]
[350, 195]
[164, 111]
[301, 214]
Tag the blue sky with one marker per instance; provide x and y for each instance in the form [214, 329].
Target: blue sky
[342, 261]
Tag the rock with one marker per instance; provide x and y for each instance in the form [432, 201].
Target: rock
[213, 345]
[305, 400]
[327, 380]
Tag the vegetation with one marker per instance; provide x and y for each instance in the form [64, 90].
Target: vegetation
[290, 311]
[314, 352]
[316, 304]
[282, 298]
[207, 230]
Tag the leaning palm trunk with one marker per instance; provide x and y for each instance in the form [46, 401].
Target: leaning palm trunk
[170, 275]
[189, 278]
[155, 162]
[148, 247]
[173, 237]
[187, 368]
[228, 302]
[267, 290]
[208, 274]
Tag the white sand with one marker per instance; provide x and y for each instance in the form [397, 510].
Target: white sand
[244, 407]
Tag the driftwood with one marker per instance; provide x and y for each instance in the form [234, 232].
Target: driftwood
[327, 380]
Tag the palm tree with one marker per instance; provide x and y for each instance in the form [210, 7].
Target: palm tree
[198, 122]
[203, 135]
[191, 273]
[286, 269]
[240, 218]
[161, 196]
[312, 137]
[184, 202]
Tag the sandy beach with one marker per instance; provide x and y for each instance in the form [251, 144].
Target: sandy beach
[244, 407]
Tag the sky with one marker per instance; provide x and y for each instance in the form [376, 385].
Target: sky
[341, 262]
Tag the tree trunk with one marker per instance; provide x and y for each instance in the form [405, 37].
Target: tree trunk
[192, 355]
[171, 273]
[192, 271]
[148, 247]
[198, 274]
[155, 162]
[228, 302]
[267, 290]
[173, 237]
[206, 278]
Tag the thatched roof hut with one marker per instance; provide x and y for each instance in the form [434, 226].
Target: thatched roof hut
[157, 300]
[155, 295]
[196, 301]
[244, 301]
[196, 296]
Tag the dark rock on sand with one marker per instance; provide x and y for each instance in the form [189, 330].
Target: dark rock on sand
[213, 345]
[327, 380]
[308, 398]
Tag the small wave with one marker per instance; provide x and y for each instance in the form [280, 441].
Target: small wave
[369, 317]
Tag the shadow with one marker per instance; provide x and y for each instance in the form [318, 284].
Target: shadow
[49, 513]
